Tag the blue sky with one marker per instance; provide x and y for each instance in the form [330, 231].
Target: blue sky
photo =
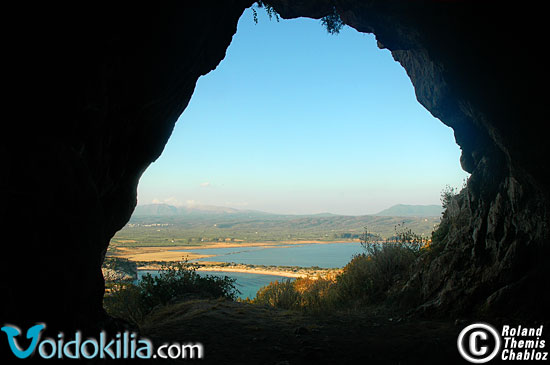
[295, 120]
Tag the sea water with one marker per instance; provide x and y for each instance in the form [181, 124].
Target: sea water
[326, 255]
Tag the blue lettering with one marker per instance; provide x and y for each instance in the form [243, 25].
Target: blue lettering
[32, 333]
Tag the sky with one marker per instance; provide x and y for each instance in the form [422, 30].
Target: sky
[297, 121]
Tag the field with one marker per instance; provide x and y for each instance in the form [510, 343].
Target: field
[254, 227]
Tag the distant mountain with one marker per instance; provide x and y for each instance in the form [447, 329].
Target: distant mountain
[403, 210]
[155, 210]
[324, 214]
[157, 224]
[158, 210]
[166, 210]
[206, 209]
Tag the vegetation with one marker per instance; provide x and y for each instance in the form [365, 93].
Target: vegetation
[179, 230]
[366, 280]
[373, 278]
[271, 13]
[332, 22]
[447, 195]
[449, 219]
[174, 283]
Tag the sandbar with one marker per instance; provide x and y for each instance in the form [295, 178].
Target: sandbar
[153, 253]
[274, 270]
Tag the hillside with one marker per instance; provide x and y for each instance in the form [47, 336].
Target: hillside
[170, 210]
[168, 225]
[403, 210]
[264, 335]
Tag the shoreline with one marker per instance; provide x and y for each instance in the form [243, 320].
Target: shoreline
[239, 270]
[247, 269]
[255, 271]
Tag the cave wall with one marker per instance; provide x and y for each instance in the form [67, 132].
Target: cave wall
[94, 94]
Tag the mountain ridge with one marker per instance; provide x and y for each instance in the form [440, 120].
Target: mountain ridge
[405, 210]
[163, 209]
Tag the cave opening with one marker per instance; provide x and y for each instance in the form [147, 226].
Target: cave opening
[295, 122]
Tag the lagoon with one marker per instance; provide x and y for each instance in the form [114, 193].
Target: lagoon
[325, 255]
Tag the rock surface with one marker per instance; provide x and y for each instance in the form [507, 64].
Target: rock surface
[94, 94]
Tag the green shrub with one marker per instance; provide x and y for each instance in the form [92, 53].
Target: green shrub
[315, 294]
[173, 283]
[355, 282]
[124, 301]
[305, 294]
[367, 277]
[281, 294]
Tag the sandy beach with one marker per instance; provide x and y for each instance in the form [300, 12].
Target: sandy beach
[166, 253]
[277, 271]
[239, 268]
[287, 274]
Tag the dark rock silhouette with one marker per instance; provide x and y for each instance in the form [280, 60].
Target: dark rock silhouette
[94, 92]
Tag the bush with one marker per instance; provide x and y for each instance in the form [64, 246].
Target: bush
[305, 294]
[315, 294]
[133, 302]
[279, 294]
[367, 279]
[174, 282]
[124, 301]
[355, 282]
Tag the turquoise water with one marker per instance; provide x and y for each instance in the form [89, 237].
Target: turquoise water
[247, 283]
[327, 255]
